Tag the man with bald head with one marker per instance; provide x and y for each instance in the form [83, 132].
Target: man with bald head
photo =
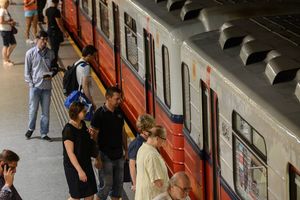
[179, 188]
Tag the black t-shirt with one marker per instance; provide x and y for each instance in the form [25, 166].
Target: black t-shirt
[52, 13]
[110, 125]
[82, 145]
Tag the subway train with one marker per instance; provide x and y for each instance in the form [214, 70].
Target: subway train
[220, 75]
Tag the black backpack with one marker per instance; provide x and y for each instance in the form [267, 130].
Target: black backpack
[70, 79]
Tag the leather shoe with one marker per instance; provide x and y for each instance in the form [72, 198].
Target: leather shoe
[28, 134]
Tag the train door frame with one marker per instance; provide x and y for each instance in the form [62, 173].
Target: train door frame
[150, 77]
[293, 172]
[210, 142]
[117, 43]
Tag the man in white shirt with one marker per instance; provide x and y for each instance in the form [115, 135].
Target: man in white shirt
[83, 71]
[179, 188]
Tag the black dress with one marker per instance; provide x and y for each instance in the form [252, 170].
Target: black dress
[82, 149]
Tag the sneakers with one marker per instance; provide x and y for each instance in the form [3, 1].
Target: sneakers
[29, 41]
[47, 138]
[28, 134]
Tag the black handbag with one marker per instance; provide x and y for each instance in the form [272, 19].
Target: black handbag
[127, 177]
[14, 30]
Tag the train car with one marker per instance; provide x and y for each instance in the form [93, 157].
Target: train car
[241, 93]
[139, 43]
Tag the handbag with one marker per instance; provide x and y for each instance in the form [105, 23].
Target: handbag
[126, 177]
[78, 96]
[14, 30]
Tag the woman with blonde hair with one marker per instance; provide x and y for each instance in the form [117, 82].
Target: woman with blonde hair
[152, 174]
[144, 123]
[31, 15]
[6, 24]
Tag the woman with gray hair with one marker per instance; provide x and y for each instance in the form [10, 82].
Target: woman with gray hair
[152, 174]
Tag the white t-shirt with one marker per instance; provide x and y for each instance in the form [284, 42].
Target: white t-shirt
[83, 70]
[6, 17]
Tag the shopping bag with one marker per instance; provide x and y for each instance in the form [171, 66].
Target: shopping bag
[78, 96]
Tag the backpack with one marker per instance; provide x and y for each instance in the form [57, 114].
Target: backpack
[70, 79]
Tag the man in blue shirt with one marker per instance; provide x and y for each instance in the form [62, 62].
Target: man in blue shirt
[144, 123]
[39, 70]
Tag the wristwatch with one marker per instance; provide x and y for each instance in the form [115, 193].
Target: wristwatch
[6, 189]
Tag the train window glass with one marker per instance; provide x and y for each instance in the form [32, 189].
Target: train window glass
[249, 134]
[131, 41]
[250, 173]
[258, 142]
[186, 97]
[166, 75]
[104, 23]
[85, 6]
[206, 117]
[243, 127]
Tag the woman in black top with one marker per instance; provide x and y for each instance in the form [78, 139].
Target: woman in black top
[56, 30]
[78, 148]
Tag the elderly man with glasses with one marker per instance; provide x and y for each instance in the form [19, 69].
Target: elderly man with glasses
[179, 188]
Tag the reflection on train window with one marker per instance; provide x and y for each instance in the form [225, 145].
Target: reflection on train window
[104, 23]
[166, 75]
[186, 97]
[294, 184]
[252, 137]
[206, 117]
[131, 41]
[85, 6]
[250, 173]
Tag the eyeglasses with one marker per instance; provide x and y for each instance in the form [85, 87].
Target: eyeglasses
[162, 138]
[184, 190]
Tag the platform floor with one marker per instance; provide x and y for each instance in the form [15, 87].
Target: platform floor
[40, 173]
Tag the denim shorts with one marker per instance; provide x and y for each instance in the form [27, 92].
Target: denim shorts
[30, 13]
[8, 38]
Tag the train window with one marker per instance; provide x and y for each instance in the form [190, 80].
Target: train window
[253, 138]
[85, 6]
[206, 117]
[250, 173]
[166, 75]
[104, 23]
[186, 97]
[294, 183]
[131, 41]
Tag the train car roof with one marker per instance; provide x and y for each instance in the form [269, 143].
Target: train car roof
[188, 17]
[261, 58]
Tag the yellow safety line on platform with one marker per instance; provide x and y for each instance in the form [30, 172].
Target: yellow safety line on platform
[99, 84]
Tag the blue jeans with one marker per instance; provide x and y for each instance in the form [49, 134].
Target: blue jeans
[110, 178]
[39, 96]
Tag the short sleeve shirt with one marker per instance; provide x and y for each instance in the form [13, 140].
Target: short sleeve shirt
[52, 13]
[150, 167]
[110, 125]
[6, 17]
[82, 70]
[134, 146]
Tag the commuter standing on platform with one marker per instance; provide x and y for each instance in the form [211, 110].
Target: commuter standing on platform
[8, 165]
[40, 8]
[39, 70]
[108, 121]
[179, 188]
[78, 150]
[144, 123]
[56, 30]
[31, 15]
[152, 174]
[9, 41]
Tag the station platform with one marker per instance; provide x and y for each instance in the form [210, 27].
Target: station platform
[40, 173]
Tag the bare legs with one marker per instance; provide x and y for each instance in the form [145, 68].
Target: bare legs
[31, 21]
[86, 198]
[6, 52]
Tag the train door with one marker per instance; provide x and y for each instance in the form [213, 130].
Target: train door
[211, 142]
[117, 43]
[150, 86]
